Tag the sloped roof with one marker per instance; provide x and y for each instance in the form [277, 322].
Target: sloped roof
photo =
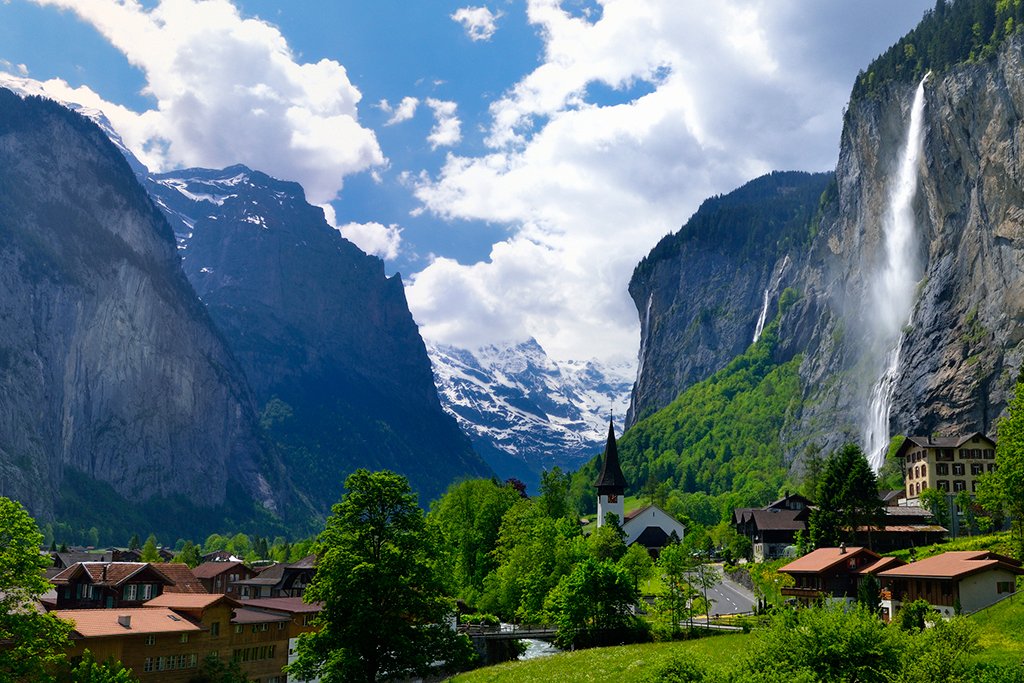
[611, 478]
[308, 562]
[208, 570]
[68, 559]
[954, 565]
[781, 502]
[269, 576]
[189, 601]
[823, 559]
[939, 442]
[184, 580]
[98, 623]
[291, 605]
[244, 615]
[107, 573]
[881, 564]
[778, 520]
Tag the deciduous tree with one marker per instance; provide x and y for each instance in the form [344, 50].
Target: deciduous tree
[1003, 489]
[384, 612]
[33, 642]
[593, 600]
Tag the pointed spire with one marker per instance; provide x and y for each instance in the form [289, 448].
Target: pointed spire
[611, 479]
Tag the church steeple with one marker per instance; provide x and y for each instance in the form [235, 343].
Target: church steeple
[611, 484]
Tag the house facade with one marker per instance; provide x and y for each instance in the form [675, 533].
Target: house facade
[952, 582]
[108, 585]
[947, 464]
[653, 528]
[832, 574]
[773, 528]
[221, 577]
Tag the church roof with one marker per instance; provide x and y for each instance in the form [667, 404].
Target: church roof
[611, 479]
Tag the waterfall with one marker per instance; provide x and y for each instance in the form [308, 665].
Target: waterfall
[893, 295]
[764, 306]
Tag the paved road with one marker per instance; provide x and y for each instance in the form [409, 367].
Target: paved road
[728, 597]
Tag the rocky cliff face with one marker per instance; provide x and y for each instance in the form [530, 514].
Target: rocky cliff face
[111, 369]
[701, 292]
[326, 339]
[962, 349]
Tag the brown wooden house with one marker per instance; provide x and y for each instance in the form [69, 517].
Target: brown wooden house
[832, 574]
[92, 585]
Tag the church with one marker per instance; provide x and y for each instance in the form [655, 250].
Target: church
[650, 526]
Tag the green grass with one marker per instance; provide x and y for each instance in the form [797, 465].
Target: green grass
[625, 664]
[999, 629]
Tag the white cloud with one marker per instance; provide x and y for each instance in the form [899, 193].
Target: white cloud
[479, 22]
[10, 67]
[405, 110]
[228, 89]
[447, 130]
[374, 238]
[707, 96]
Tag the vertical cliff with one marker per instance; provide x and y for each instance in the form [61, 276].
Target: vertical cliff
[112, 372]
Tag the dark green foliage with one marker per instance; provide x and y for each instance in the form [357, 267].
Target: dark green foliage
[682, 668]
[847, 498]
[913, 615]
[952, 33]
[1002, 491]
[215, 670]
[189, 554]
[720, 438]
[88, 670]
[770, 213]
[608, 541]
[867, 592]
[384, 610]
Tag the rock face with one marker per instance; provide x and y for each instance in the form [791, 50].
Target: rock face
[112, 370]
[701, 292]
[326, 340]
[524, 411]
[961, 352]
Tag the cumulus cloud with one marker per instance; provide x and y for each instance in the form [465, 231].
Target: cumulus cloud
[374, 238]
[697, 98]
[228, 89]
[10, 67]
[478, 22]
[404, 111]
[447, 130]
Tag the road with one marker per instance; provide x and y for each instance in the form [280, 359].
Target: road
[728, 597]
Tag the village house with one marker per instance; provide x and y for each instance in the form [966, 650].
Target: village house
[279, 580]
[94, 585]
[963, 581]
[832, 574]
[221, 577]
[947, 464]
[773, 528]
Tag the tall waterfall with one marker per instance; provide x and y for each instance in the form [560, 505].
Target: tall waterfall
[761, 319]
[893, 295]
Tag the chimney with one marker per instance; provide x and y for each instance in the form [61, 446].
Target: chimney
[842, 548]
[125, 620]
[103, 574]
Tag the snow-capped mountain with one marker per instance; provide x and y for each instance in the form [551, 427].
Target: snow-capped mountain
[526, 412]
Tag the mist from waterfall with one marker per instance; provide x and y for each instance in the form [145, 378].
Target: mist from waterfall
[894, 286]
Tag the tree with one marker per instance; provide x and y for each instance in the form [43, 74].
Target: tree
[704, 577]
[637, 564]
[1003, 489]
[149, 550]
[847, 499]
[134, 543]
[384, 612]
[591, 602]
[554, 493]
[189, 554]
[88, 670]
[608, 541]
[676, 600]
[935, 500]
[34, 642]
[213, 669]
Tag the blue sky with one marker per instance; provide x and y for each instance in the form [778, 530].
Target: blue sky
[543, 146]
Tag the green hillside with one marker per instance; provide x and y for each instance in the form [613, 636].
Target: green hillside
[717, 445]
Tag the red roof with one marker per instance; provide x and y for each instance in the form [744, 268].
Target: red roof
[106, 573]
[292, 605]
[954, 565]
[184, 580]
[882, 564]
[97, 623]
[826, 558]
[208, 570]
[189, 601]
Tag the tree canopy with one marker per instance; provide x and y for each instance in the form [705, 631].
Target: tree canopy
[384, 610]
[1002, 491]
[847, 498]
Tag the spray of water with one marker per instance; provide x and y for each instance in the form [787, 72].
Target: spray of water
[896, 283]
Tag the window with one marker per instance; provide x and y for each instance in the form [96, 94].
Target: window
[977, 468]
[264, 627]
[215, 629]
[924, 470]
[131, 591]
[991, 467]
[917, 471]
[943, 485]
[974, 486]
[958, 469]
[148, 664]
[1005, 587]
[184, 638]
[147, 591]
[990, 454]
[239, 628]
[281, 625]
[193, 659]
[307, 619]
[942, 469]
[959, 485]
[150, 640]
[216, 583]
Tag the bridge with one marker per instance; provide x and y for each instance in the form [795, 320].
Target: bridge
[509, 632]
